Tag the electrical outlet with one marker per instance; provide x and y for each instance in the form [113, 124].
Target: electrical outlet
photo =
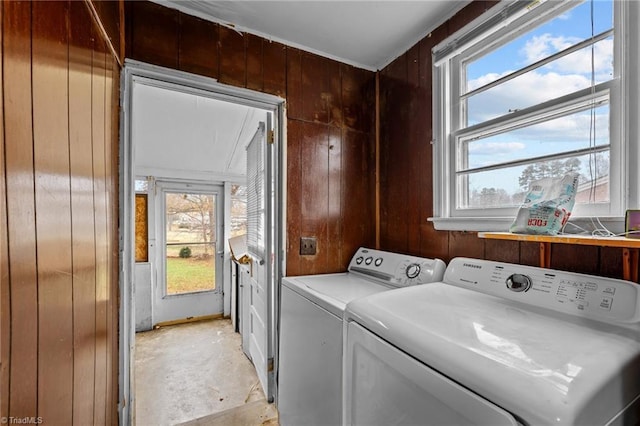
[308, 246]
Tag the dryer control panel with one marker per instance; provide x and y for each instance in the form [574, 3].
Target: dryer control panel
[395, 269]
[600, 298]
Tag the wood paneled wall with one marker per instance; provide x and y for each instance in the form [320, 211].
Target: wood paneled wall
[406, 172]
[330, 123]
[110, 14]
[58, 233]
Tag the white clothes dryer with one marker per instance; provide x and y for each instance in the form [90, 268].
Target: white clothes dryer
[495, 344]
[311, 340]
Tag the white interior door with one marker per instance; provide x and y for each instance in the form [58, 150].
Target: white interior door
[260, 244]
[190, 251]
[245, 308]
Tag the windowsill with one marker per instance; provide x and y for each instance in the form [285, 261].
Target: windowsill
[502, 224]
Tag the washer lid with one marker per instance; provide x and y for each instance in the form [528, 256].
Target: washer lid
[542, 366]
[333, 291]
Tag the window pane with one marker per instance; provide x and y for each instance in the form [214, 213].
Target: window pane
[142, 185]
[141, 226]
[567, 29]
[495, 188]
[564, 134]
[238, 210]
[256, 187]
[558, 78]
[191, 242]
[507, 187]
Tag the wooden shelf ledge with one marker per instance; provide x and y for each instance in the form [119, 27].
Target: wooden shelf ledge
[629, 247]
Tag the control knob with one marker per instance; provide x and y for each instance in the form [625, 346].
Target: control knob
[412, 271]
[518, 282]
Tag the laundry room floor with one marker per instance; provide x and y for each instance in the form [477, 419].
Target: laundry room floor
[196, 374]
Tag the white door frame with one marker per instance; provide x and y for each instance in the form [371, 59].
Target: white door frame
[139, 72]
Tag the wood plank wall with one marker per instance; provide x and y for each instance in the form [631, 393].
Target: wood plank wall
[111, 16]
[58, 233]
[330, 123]
[406, 172]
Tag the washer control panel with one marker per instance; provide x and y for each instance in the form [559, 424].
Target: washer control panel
[395, 269]
[583, 295]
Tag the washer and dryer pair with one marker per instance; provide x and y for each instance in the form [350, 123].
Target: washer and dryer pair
[488, 343]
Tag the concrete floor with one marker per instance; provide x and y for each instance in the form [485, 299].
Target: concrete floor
[196, 371]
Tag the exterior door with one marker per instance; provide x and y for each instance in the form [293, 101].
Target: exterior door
[261, 247]
[190, 251]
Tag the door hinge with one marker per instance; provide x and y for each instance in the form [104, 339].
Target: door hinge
[271, 138]
[270, 365]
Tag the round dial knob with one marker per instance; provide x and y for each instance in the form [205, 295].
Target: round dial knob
[413, 270]
[518, 282]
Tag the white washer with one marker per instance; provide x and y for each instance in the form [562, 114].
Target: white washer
[312, 306]
[495, 344]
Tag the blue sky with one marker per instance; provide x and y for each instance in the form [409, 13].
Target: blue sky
[574, 24]
[554, 79]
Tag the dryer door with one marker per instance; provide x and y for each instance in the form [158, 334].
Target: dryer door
[385, 386]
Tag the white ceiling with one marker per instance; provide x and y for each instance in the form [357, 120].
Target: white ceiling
[181, 135]
[366, 34]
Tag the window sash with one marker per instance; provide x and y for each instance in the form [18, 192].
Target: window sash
[541, 113]
[558, 55]
[480, 28]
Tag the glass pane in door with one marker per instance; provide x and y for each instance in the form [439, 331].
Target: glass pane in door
[190, 242]
[238, 210]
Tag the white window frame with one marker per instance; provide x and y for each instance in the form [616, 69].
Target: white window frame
[509, 19]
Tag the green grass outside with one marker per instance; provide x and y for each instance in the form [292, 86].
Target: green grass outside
[189, 275]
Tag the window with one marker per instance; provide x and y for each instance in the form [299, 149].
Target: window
[238, 210]
[142, 228]
[190, 241]
[142, 221]
[532, 90]
[256, 202]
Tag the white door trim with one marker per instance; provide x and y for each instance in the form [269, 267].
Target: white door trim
[139, 72]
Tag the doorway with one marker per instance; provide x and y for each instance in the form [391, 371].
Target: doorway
[182, 231]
